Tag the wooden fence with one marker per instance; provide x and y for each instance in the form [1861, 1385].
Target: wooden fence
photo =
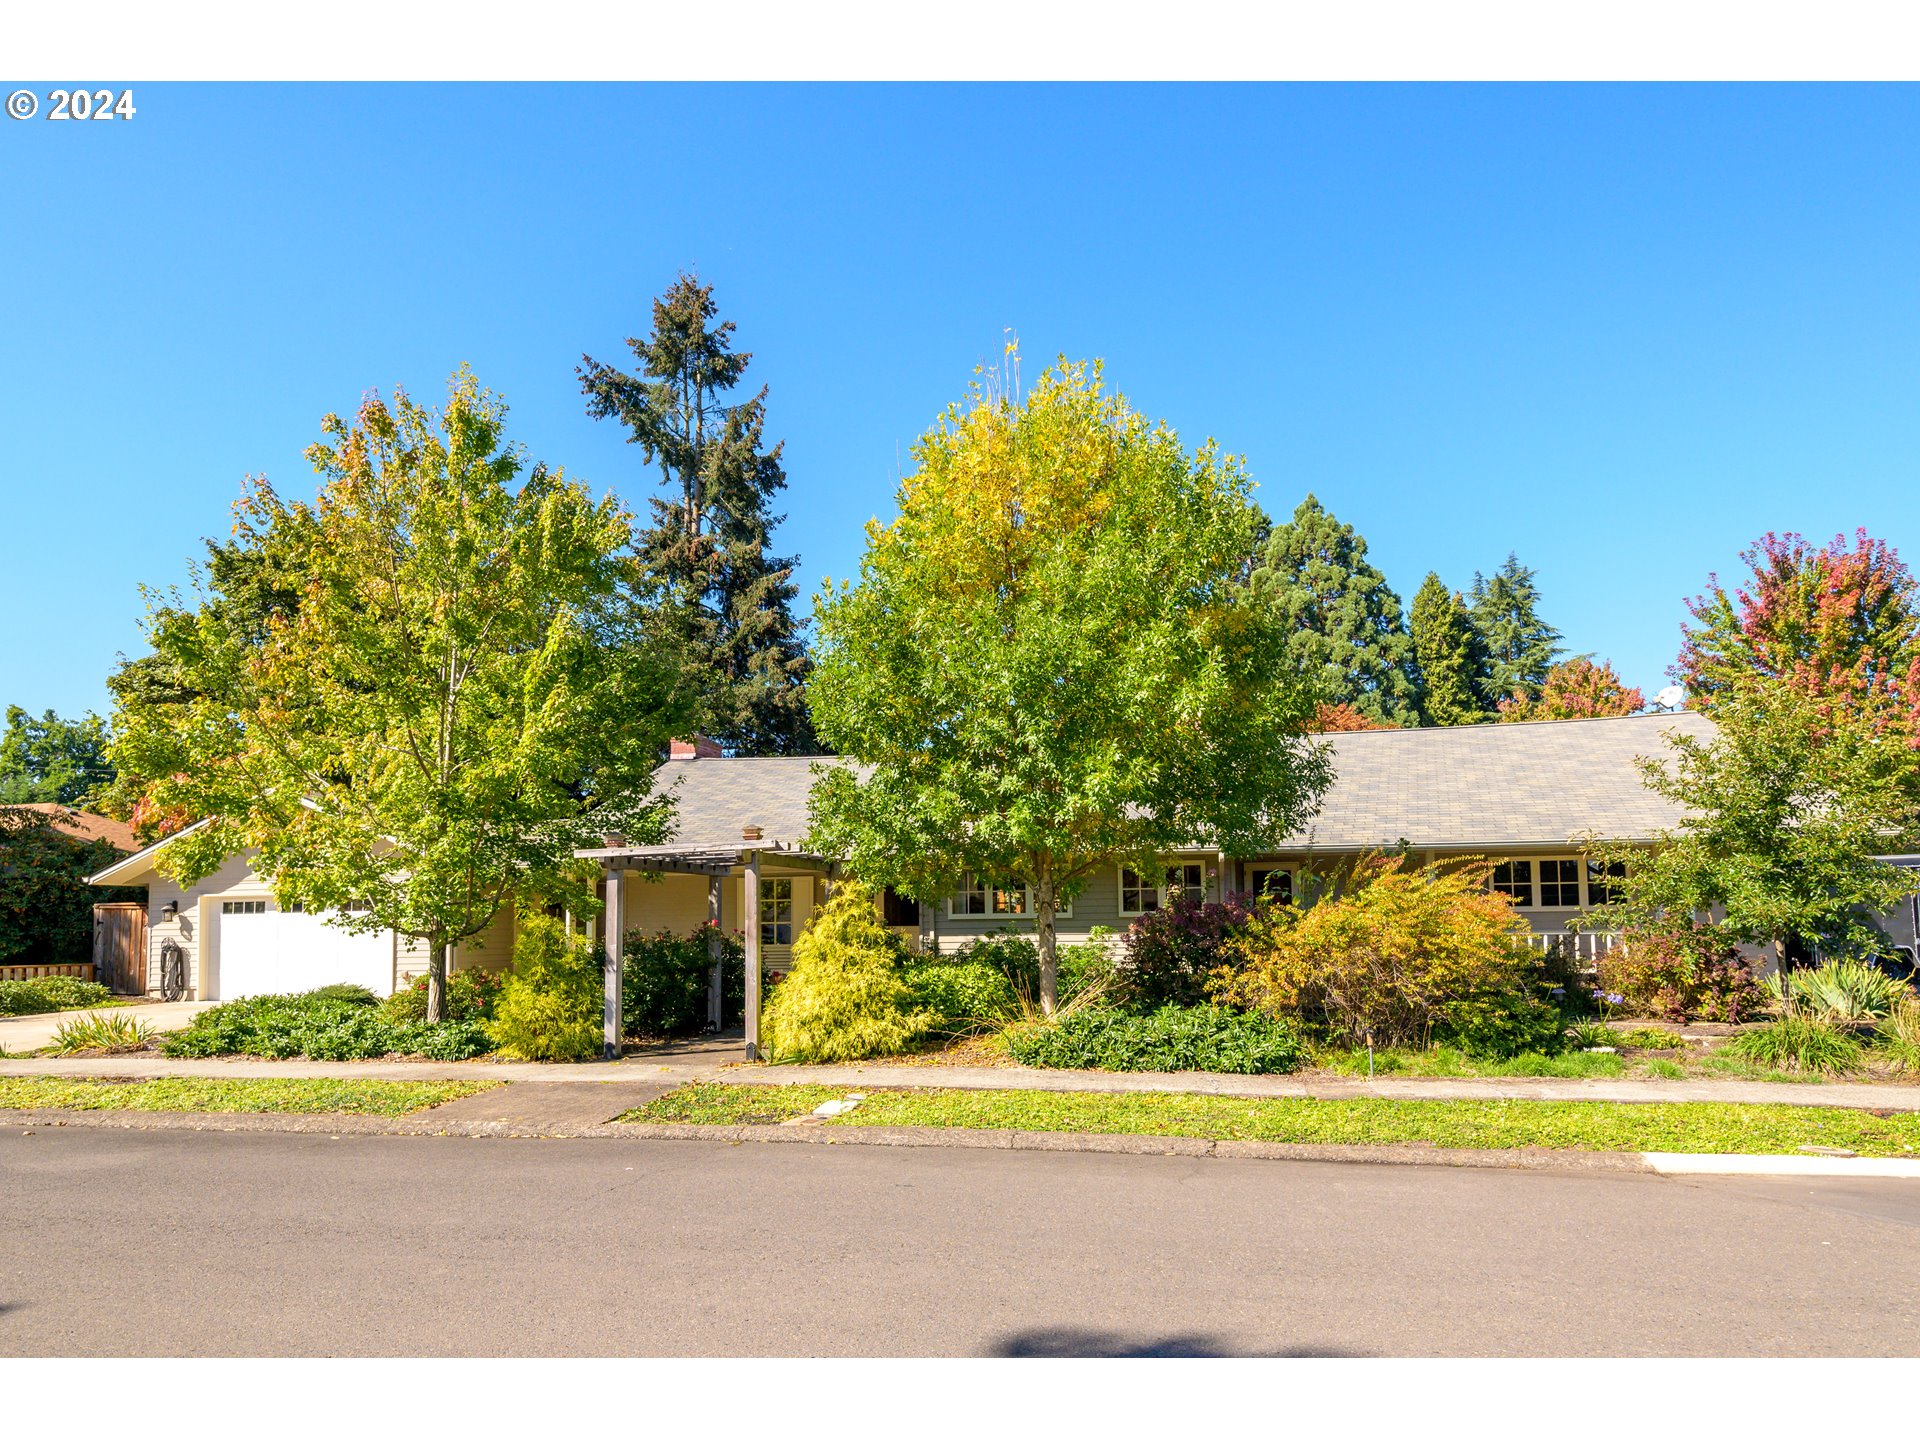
[80, 970]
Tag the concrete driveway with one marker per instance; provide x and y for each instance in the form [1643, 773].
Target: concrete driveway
[21, 1033]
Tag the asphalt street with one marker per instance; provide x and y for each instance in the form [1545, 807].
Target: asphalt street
[201, 1243]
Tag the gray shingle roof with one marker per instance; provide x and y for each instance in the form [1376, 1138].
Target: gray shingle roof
[1468, 787]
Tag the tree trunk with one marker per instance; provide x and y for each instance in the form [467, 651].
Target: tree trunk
[437, 981]
[1043, 901]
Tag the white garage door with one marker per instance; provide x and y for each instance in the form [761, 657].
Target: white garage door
[264, 950]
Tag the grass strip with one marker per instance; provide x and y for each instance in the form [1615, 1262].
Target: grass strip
[228, 1097]
[1704, 1128]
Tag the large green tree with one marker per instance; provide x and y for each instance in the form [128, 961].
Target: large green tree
[1519, 646]
[46, 905]
[1453, 665]
[473, 683]
[1346, 629]
[711, 537]
[1829, 620]
[49, 759]
[1785, 807]
[1050, 661]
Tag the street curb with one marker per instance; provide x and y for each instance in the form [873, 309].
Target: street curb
[1850, 1166]
[891, 1136]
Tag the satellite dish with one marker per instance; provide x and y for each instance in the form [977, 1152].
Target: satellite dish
[1671, 698]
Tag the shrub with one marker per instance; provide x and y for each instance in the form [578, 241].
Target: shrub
[1799, 1042]
[1681, 973]
[1173, 952]
[1647, 1038]
[961, 995]
[1397, 956]
[101, 1032]
[1084, 969]
[332, 1023]
[471, 995]
[352, 994]
[1174, 1037]
[54, 992]
[550, 1007]
[1588, 1034]
[1498, 1021]
[1845, 992]
[845, 997]
[664, 981]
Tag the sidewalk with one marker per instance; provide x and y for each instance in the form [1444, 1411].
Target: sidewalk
[30, 1032]
[681, 1062]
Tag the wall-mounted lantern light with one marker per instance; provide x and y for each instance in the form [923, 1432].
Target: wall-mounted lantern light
[170, 910]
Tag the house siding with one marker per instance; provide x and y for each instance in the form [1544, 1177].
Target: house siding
[678, 904]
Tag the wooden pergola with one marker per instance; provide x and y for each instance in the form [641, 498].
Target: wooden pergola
[749, 861]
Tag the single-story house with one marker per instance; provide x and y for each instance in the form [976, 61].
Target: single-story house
[1524, 795]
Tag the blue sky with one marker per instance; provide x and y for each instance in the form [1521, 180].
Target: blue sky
[1621, 331]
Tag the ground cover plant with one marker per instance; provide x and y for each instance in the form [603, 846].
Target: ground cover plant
[339, 1023]
[1800, 1042]
[50, 994]
[1172, 1037]
[195, 1094]
[1698, 1127]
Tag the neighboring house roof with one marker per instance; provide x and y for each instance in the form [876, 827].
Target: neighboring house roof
[1535, 783]
[84, 824]
[133, 869]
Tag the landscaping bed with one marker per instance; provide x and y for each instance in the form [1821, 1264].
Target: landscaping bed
[1709, 1128]
[191, 1094]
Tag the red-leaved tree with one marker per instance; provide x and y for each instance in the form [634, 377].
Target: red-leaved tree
[1576, 689]
[1830, 621]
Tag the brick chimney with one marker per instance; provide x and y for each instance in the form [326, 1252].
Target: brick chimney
[698, 748]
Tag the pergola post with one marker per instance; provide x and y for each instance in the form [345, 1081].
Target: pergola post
[751, 920]
[716, 991]
[613, 929]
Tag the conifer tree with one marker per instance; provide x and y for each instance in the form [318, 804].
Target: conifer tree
[708, 548]
[1520, 647]
[1452, 661]
[1346, 629]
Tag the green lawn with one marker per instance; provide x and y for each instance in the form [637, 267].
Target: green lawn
[1702, 1128]
[251, 1097]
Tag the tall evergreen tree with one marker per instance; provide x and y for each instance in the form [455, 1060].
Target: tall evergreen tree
[708, 546]
[1520, 647]
[1453, 664]
[1346, 628]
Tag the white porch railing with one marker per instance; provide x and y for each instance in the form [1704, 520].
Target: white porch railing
[1584, 946]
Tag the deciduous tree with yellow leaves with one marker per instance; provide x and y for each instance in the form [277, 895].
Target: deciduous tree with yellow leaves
[1050, 662]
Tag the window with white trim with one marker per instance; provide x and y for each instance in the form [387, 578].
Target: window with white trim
[243, 907]
[1001, 900]
[776, 912]
[1273, 884]
[1603, 880]
[1559, 884]
[1139, 896]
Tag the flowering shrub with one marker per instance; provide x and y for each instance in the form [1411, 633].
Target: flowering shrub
[1172, 952]
[1398, 956]
[1680, 973]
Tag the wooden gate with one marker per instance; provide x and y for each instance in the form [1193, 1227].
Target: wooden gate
[120, 947]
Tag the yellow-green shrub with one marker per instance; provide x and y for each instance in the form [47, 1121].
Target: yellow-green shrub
[1395, 955]
[845, 997]
[550, 1006]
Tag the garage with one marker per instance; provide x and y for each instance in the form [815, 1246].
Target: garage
[261, 949]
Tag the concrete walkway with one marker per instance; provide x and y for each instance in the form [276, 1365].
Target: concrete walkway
[719, 1059]
[30, 1032]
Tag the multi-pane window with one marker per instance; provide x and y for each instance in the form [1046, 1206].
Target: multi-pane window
[1139, 895]
[1514, 878]
[983, 897]
[243, 907]
[776, 912]
[1603, 880]
[1560, 884]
